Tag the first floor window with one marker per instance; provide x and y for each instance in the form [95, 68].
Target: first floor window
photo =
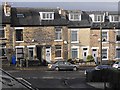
[118, 53]
[118, 36]
[104, 54]
[58, 51]
[104, 36]
[19, 34]
[74, 52]
[2, 33]
[58, 33]
[74, 36]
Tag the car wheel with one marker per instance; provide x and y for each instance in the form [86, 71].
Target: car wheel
[75, 68]
[57, 68]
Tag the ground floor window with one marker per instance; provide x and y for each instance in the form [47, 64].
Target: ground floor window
[2, 51]
[58, 51]
[19, 53]
[118, 53]
[31, 52]
[104, 54]
[74, 53]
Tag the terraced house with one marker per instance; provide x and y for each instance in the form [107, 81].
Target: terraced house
[109, 24]
[54, 34]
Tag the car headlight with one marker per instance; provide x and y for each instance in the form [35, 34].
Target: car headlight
[49, 65]
[85, 72]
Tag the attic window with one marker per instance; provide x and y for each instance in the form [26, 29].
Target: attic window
[98, 18]
[20, 15]
[74, 16]
[46, 15]
[115, 18]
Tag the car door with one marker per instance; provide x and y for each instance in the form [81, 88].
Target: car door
[61, 65]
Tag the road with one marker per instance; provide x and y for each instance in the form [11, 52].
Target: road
[53, 79]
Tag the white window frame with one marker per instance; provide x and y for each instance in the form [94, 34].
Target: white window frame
[75, 47]
[107, 52]
[115, 52]
[32, 46]
[18, 47]
[61, 35]
[101, 19]
[113, 16]
[23, 33]
[107, 36]
[77, 36]
[116, 36]
[42, 18]
[61, 52]
[74, 16]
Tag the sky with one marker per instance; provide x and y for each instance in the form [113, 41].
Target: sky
[108, 5]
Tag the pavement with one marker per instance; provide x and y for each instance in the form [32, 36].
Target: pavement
[41, 68]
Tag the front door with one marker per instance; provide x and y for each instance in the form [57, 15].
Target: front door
[85, 54]
[48, 54]
[94, 54]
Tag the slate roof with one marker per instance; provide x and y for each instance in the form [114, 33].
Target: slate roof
[85, 20]
[108, 25]
[32, 17]
[104, 25]
[4, 19]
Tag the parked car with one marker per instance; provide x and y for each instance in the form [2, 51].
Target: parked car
[58, 65]
[99, 67]
[10, 82]
[116, 65]
[97, 74]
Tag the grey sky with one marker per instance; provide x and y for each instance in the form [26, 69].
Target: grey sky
[70, 5]
[108, 6]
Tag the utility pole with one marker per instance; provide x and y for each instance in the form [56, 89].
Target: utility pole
[101, 42]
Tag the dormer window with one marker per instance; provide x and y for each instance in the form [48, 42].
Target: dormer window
[75, 16]
[98, 18]
[114, 18]
[20, 15]
[46, 15]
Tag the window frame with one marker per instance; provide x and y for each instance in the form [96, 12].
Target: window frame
[58, 57]
[106, 51]
[116, 36]
[96, 16]
[116, 52]
[75, 30]
[50, 15]
[112, 18]
[19, 28]
[58, 34]
[107, 39]
[73, 19]
[78, 51]
[3, 34]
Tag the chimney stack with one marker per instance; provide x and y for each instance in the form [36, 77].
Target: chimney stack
[7, 9]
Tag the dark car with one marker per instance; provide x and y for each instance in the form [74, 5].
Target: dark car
[58, 65]
[97, 74]
[10, 82]
[99, 67]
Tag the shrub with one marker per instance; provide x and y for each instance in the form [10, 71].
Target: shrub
[90, 58]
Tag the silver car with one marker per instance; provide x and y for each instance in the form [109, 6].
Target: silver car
[58, 65]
